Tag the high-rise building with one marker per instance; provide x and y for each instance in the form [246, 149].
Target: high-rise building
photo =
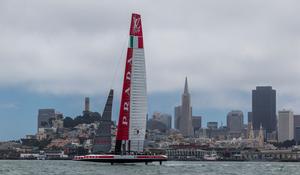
[297, 127]
[235, 121]
[264, 108]
[183, 115]
[177, 113]
[285, 125]
[196, 122]
[45, 117]
[250, 118]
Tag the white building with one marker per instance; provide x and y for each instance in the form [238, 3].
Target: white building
[285, 125]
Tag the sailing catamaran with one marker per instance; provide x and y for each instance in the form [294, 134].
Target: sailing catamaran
[133, 108]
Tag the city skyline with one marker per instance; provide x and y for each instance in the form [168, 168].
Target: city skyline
[53, 54]
[94, 106]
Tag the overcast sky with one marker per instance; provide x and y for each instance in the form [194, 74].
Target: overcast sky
[53, 52]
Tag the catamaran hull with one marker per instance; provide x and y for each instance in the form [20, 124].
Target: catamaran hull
[121, 159]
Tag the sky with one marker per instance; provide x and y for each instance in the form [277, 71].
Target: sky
[54, 53]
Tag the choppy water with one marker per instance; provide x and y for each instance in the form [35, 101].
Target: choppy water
[51, 167]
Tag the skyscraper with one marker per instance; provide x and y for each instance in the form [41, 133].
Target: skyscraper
[235, 121]
[183, 114]
[177, 113]
[297, 127]
[250, 117]
[285, 125]
[196, 122]
[264, 108]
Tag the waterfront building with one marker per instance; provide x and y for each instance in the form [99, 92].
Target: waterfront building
[264, 108]
[297, 128]
[235, 121]
[285, 125]
[189, 153]
[45, 117]
[183, 114]
[271, 155]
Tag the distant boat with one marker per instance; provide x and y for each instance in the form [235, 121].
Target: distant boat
[131, 129]
[211, 157]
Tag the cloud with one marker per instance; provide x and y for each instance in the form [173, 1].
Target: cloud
[75, 47]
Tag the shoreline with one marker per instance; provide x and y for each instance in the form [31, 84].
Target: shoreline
[178, 160]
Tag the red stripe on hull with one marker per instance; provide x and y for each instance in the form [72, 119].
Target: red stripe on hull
[150, 157]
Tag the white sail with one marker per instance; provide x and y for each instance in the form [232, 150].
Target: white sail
[138, 110]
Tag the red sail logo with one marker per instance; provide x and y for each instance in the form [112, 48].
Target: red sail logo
[136, 25]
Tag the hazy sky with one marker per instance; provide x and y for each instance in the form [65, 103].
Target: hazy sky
[53, 53]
